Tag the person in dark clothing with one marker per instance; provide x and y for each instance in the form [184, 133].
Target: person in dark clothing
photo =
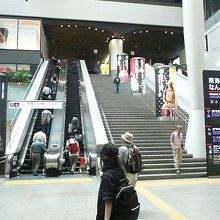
[37, 150]
[117, 83]
[113, 173]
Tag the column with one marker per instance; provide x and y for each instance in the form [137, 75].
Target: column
[194, 36]
[115, 48]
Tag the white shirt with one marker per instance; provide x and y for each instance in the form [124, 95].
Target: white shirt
[176, 140]
[41, 136]
[46, 90]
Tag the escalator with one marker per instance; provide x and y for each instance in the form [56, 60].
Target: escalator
[72, 106]
[26, 166]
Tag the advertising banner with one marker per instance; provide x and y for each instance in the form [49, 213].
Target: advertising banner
[122, 66]
[137, 70]
[29, 35]
[20, 34]
[211, 89]
[8, 33]
[165, 93]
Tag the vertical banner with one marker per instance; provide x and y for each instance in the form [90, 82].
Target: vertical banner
[161, 78]
[122, 66]
[137, 70]
[3, 120]
[211, 88]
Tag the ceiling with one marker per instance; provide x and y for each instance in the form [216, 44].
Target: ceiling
[78, 39]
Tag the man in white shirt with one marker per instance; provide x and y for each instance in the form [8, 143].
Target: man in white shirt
[46, 117]
[176, 139]
[46, 92]
[41, 136]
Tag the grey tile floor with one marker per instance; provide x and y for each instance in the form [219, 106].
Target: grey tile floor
[74, 198]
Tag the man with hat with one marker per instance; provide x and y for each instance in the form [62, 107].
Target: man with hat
[124, 153]
[176, 139]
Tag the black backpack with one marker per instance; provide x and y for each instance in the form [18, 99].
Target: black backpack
[126, 204]
[134, 163]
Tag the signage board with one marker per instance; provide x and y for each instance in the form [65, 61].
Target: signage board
[211, 89]
[38, 104]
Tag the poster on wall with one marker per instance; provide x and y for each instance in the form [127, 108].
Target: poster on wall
[122, 66]
[8, 33]
[137, 70]
[211, 90]
[165, 93]
[29, 34]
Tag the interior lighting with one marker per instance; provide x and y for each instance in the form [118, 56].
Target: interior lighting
[146, 31]
[102, 30]
[61, 25]
[112, 36]
[171, 32]
[68, 25]
[89, 28]
[134, 32]
[140, 32]
[165, 32]
[96, 29]
[75, 26]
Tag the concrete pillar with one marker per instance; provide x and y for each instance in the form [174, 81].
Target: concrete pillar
[115, 48]
[194, 36]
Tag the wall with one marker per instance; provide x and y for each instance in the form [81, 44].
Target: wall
[91, 10]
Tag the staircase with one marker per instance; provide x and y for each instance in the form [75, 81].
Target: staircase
[126, 112]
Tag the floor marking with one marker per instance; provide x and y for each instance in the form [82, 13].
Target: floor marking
[163, 206]
[179, 182]
[48, 181]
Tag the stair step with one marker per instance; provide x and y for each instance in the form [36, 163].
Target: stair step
[172, 176]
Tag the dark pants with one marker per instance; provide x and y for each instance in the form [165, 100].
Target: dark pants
[36, 158]
[117, 87]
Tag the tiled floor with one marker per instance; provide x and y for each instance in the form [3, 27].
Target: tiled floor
[74, 198]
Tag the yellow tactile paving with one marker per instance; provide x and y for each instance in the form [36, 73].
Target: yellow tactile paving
[163, 206]
[180, 182]
[48, 181]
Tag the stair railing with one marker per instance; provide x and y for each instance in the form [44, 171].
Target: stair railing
[106, 124]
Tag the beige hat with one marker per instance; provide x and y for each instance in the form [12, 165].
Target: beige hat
[128, 137]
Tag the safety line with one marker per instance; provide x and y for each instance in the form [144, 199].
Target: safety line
[48, 181]
[163, 206]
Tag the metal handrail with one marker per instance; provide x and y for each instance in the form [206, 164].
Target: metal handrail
[150, 98]
[107, 125]
[25, 95]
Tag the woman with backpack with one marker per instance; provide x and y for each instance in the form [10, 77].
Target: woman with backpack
[112, 181]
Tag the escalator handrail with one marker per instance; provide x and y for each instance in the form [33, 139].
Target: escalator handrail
[25, 95]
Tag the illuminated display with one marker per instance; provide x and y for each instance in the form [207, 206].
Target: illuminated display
[211, 86]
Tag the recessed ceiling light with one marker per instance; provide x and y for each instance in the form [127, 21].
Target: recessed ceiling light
[96, 29]
[140, 32]
[172, 32]
[165, 32]
[68, 25]
[134, 32]
[122, 37]
[146, 31]
[102, 30]
[75, 26]
[61, 25]
[89, 27]
[107, 38]
[112, 36]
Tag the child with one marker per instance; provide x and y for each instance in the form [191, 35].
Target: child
[82, 161]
